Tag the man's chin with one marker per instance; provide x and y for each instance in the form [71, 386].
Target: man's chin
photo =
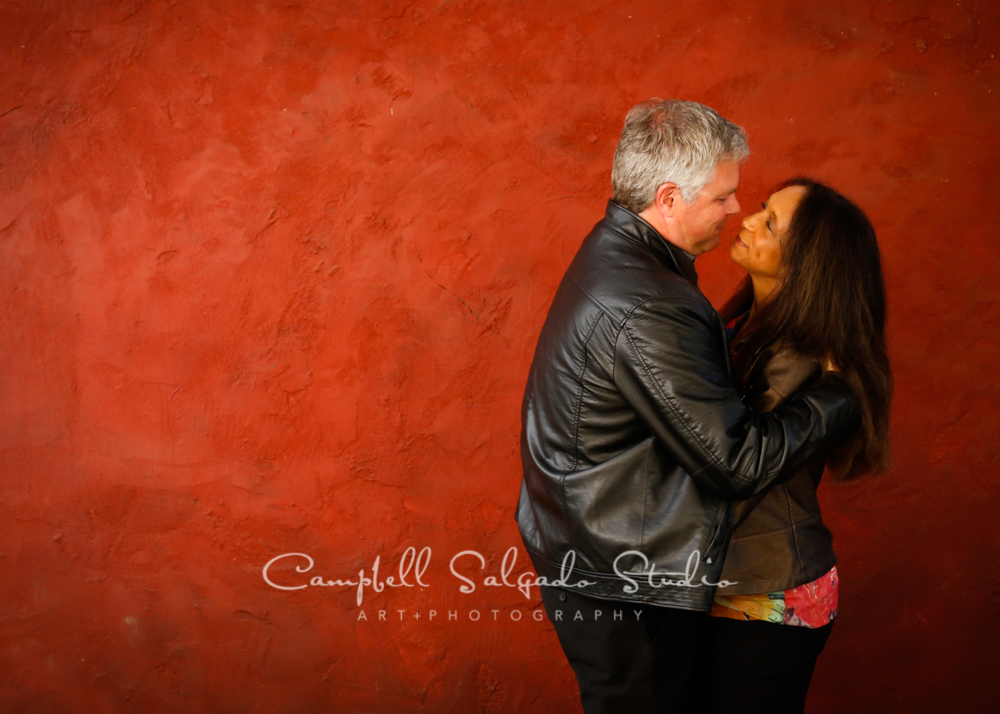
[711, 244]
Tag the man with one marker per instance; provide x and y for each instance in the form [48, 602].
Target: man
[634, 441]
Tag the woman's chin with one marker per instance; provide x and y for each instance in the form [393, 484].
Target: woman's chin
[734, 254]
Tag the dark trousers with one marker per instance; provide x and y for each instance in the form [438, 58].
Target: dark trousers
[628, 658]
[755, 666]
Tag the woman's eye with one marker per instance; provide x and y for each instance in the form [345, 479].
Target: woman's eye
[768, 224]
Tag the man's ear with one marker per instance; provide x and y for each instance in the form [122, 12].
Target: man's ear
[667, 196]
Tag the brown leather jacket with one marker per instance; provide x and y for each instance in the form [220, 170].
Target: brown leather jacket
[780, 541]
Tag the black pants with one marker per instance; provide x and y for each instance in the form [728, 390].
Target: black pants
[628, 658]
[755, 666]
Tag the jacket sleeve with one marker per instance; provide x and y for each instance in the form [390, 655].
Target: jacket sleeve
[671, 366]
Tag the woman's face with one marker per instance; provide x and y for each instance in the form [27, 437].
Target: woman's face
[757, 247]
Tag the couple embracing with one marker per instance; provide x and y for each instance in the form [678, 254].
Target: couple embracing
[694, 442]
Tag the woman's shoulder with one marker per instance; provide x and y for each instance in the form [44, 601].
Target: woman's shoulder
[786, 369]
[779, 371]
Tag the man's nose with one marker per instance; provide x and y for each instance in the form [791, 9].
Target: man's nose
[732, 205]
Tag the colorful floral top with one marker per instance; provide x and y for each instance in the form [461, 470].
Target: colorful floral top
[809, 605]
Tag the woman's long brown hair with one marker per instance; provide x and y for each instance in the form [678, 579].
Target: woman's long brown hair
[830, 301]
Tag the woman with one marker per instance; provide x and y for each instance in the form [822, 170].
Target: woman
[814, 295]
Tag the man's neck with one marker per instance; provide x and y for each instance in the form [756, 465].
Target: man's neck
[655, 219]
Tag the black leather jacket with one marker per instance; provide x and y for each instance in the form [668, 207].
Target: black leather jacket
[634, 440]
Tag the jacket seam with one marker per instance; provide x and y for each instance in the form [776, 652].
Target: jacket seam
[791, 525]
[768, 375]
[791, 522]
[590, 295]
[579, 401]
[628, 316]
[761, 534]
[680, 296]
[645, 494]
[669, 402]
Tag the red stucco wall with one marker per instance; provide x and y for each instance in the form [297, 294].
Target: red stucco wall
[271, 276]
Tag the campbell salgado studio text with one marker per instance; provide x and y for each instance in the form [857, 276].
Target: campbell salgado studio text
[413, 566]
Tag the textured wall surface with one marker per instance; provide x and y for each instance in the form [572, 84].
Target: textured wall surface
[271, 275]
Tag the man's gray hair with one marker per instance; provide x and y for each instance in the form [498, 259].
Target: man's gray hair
[671, 142]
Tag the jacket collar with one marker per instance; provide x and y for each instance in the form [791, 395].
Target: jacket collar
[634, 228]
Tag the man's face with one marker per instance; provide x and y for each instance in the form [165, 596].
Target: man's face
[697, 226]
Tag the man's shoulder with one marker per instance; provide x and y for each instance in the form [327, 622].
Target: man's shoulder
[621, 274]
